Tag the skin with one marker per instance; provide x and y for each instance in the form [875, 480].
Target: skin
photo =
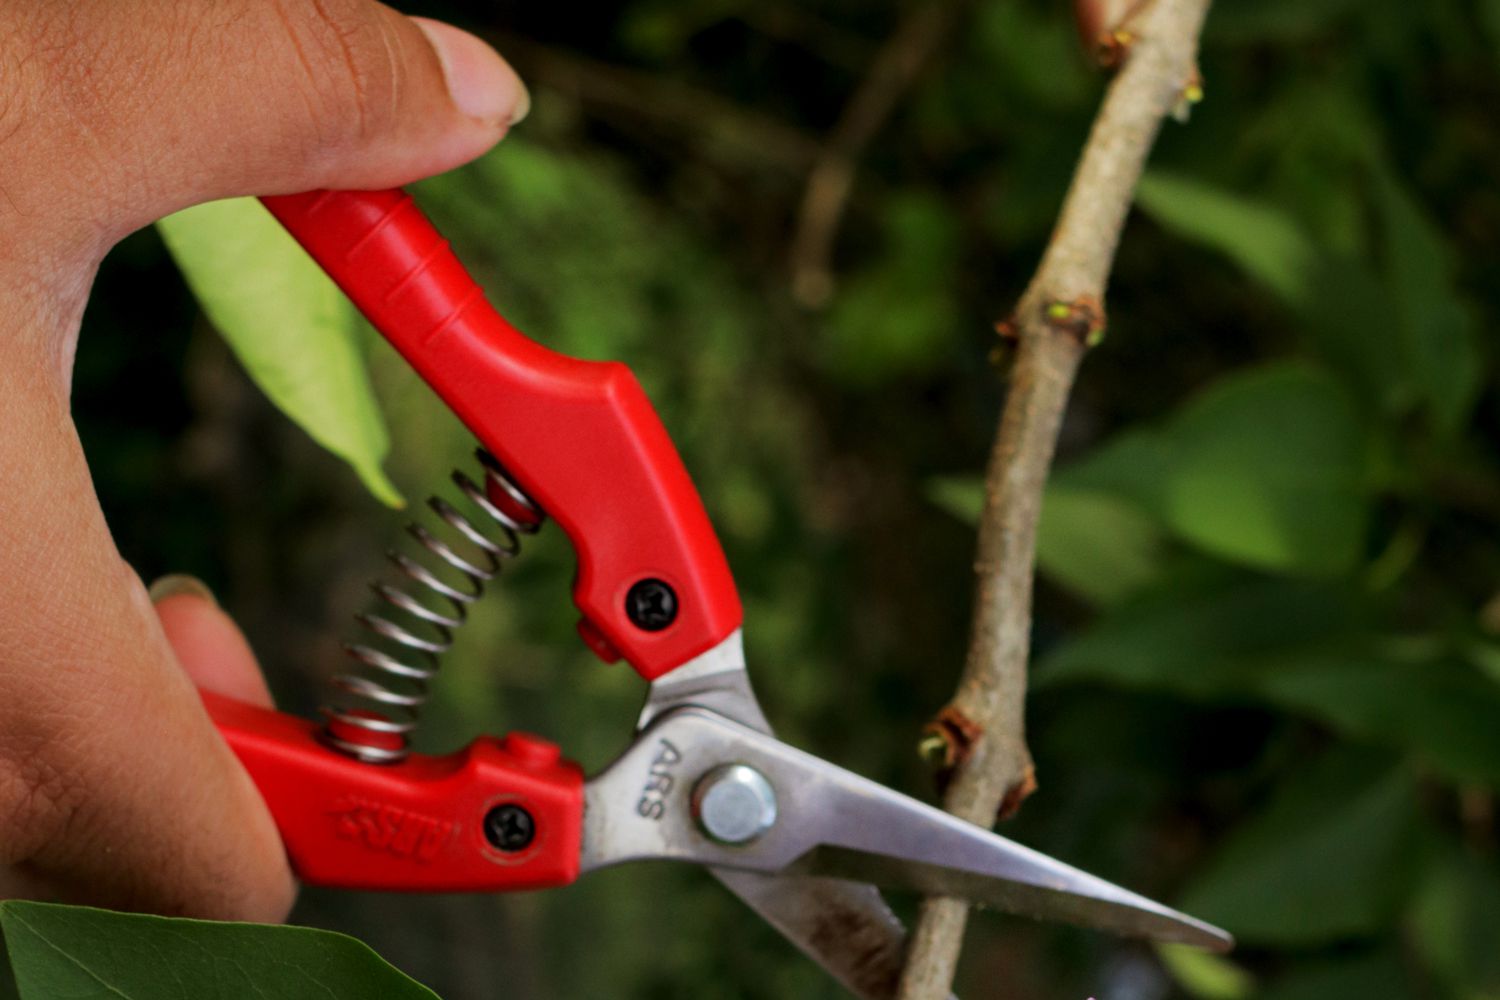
[115, 789]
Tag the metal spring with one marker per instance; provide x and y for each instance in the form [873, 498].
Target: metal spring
[375, 708]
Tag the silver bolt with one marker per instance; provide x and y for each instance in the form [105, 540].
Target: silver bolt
[734, 804]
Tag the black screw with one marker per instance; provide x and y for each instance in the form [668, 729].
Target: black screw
[651, 605]
[509, 827]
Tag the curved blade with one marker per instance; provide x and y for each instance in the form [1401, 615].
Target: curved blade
[831, 822]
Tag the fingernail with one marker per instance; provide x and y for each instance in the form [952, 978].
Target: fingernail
[177, 584]
[481, 84]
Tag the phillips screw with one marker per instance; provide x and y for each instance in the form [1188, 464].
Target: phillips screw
[509, 828]
[651, 605]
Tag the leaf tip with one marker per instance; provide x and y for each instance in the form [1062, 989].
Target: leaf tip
[380, 485]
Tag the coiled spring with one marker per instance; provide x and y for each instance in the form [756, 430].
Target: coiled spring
[376, 707]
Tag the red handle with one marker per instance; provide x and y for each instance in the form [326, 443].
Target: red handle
[580, 437]
[433, 824]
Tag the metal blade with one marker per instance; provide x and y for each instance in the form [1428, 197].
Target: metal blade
[716, 680]
[830, 822]
[1013, 878]
[843, 926]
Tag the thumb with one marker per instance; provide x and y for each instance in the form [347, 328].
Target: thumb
[209, 645]
[173, 102]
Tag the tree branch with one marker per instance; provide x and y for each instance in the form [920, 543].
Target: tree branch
[830, 183]
[1059, 316]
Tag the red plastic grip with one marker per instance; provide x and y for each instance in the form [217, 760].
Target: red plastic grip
[580, 437]
[414, 826]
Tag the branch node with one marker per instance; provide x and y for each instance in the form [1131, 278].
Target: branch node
[1190, 95]
[1113, 47]
[1082, 318]
[1017, 794]
[1009, 333]
[947, 741]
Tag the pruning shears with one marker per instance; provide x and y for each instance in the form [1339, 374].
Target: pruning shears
[704, 780]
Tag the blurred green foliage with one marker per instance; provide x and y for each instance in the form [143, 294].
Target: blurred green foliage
[1268, 627]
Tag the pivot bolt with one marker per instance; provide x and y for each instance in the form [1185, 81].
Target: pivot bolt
[734, 804]
[509, 828]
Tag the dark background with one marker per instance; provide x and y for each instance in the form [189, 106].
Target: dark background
[1267, 682]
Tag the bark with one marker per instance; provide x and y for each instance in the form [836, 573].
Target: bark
[1058, 318]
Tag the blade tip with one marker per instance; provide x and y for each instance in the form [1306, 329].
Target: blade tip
[1213, 939]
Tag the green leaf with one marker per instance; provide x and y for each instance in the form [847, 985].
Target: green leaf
[1448, 714]
[1205, 975]
[1485, 657]
[897, 316]
[1303, 648]
[293, 330]
[1100, 546]
[1034, 55]
[1454, 923]
[1489, 13]
[1432, 345]
[1333, 856]
[83, 954]
[1268, 469]
[1267, 244]
[1206, 638]
[1348, 323]
[1132, 464]
[961, 496]
[1441, 340]
[1379, 976]
[1283, 22]
[1342, 304]
[7, 977]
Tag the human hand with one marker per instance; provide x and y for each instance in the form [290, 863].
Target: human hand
[115, 788]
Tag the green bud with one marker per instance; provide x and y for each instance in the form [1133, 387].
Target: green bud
[933, 749]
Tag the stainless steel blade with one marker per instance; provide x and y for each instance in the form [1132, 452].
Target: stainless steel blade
[1020, 881]
[832, 822]
[716, 680]
[843, 926]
